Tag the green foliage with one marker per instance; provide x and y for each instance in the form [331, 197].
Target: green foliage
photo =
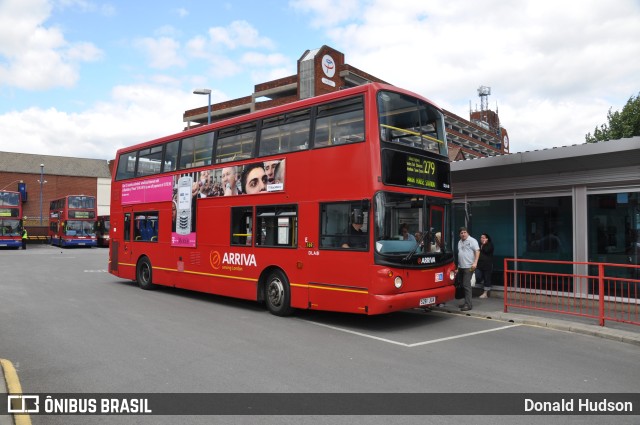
[621, 124]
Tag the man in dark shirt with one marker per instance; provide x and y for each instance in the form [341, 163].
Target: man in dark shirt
[355, 237]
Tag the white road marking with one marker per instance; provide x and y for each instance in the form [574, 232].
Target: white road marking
[462, 336]
[433, 341]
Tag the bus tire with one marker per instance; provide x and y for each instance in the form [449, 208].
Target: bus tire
[144, 274]
[277, 294]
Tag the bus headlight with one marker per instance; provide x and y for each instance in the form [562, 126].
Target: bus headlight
[452, 275]
[397, 282]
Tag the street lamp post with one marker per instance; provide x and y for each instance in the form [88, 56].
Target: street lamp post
[41, 183]
[208, 93]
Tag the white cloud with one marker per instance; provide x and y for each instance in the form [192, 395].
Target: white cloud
[162, 52]
[552, 65]
[238, 34]
[223, 44]
[34, 56]
[327, 13]
[133, 114]
[261, 59]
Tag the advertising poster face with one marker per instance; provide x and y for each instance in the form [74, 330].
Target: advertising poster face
[232, 180]
[185, 189]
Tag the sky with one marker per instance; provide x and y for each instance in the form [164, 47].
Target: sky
[83, 78]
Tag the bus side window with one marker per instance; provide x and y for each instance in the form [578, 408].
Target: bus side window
[343, 225]
[241, 225]
[339, 123]
[277, 226]
[127, 227]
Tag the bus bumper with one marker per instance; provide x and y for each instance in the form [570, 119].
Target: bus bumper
[79, 242]
[11, 243]
[380, 304]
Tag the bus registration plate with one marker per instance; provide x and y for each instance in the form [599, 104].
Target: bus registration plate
[427, 301]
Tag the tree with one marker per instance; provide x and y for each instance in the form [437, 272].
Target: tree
[621, 124]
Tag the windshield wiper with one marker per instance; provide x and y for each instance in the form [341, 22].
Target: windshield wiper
[423, 236]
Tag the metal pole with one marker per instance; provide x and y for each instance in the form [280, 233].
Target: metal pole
[41, 183]
[209, 109]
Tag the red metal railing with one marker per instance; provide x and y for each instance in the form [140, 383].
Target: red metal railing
[603, 291]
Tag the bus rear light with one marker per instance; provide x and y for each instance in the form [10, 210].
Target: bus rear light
[397, 282]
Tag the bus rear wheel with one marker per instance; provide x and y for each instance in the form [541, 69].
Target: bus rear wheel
[144, 274]
[278, 294]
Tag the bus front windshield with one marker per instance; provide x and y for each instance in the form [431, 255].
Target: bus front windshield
[407, 225]
[412, 122]
[80, 228]
[9, 227]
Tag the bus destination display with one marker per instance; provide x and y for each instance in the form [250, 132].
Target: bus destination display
[404, 169]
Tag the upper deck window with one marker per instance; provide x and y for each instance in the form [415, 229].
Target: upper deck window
[285, 133]
[149, 161]
[409, 121]
[196, 151]
[82, 202]
[11, 199]
[126, 166]
[340, 122]
[236, 142]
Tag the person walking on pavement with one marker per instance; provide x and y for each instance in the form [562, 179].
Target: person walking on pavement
[468, 254]
[485, 264]
[25, 236]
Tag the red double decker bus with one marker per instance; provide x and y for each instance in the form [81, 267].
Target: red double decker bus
[10, 219]
[340, 202]
[103, 225]
[72, 221]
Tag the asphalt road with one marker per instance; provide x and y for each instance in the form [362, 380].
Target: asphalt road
[70, 327]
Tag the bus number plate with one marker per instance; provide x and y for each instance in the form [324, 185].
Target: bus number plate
[427, 301]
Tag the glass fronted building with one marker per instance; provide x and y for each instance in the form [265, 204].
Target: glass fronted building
[577, 203]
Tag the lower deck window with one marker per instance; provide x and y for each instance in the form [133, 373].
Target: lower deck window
[145, 226]
[277, 226]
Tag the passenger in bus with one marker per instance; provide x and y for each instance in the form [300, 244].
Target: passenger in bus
[230, 181]
[254, 178]
[404, 233]
[354, 236]
[436, 246]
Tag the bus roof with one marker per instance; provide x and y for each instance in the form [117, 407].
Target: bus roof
[299, 104]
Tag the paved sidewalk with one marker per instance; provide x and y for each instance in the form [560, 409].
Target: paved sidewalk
[493, 308]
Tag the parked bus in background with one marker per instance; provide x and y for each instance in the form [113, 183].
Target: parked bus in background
[10, 219]
[299, 206]
[102, 230]
[72, 221]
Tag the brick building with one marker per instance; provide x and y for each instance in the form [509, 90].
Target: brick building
[62, 176]
[324, 70]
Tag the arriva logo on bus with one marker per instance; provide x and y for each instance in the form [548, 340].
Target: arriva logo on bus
[232, 261]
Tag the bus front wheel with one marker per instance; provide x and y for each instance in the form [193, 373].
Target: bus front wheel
[143, 274]
[278, 294]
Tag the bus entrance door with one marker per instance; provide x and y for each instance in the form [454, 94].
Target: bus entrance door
[127, 232]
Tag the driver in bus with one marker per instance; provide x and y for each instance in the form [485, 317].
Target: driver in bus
[355, 237]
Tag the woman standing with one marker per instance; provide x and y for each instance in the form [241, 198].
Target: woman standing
[485, 264]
